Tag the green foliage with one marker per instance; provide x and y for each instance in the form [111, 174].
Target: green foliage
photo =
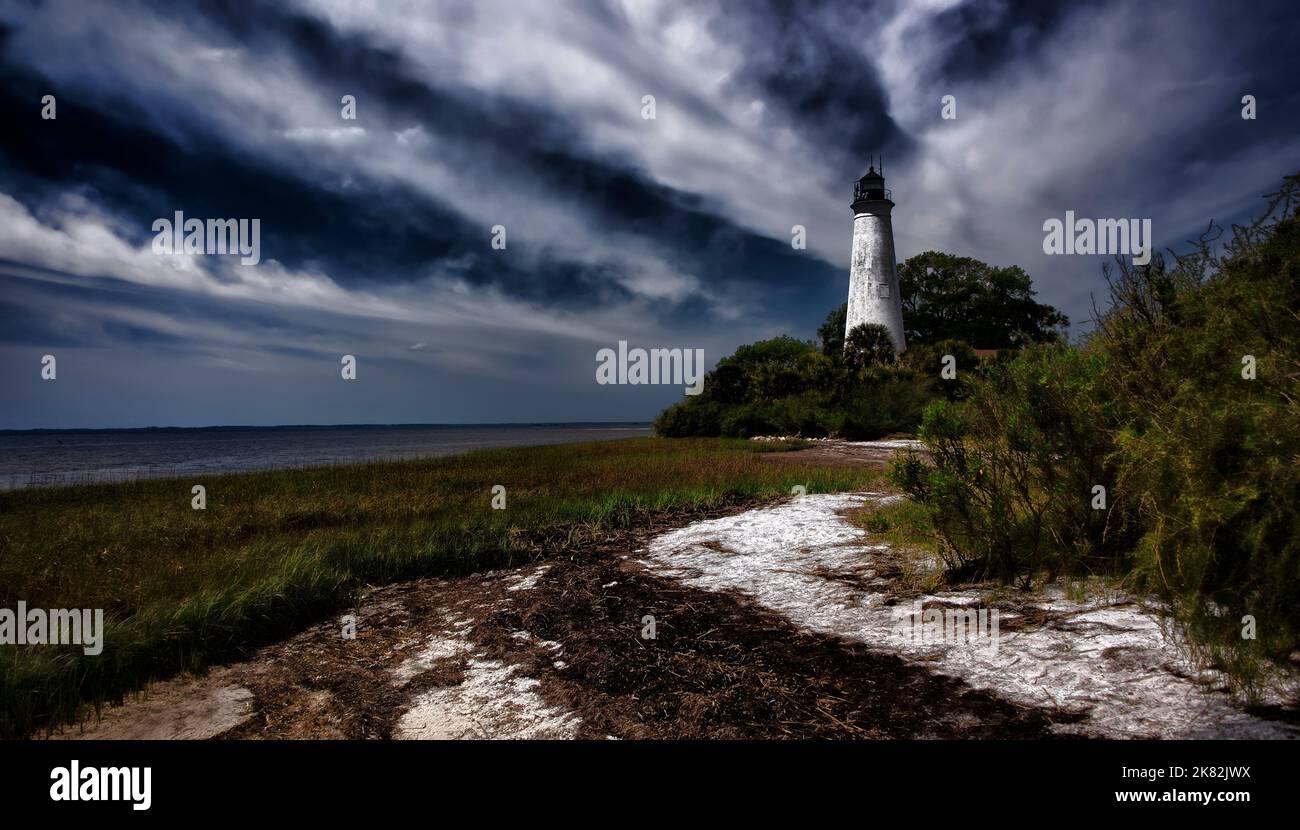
[928, 358]
[858, 388]
[1212, 458]
[790, 387]
[1201, 465]
[831, 333]
[1014, 467]
[946, 296]
[867, 344]
[889, 401]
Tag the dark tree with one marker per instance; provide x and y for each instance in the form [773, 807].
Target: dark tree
[831, 333]
[952, 297]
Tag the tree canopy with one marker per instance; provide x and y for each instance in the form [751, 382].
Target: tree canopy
[861, 389]
[947, 297]
[955, 297]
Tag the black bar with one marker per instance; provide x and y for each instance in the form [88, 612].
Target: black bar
[334, 780]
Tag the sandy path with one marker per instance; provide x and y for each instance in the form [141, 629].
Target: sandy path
[1105, 660]
[411, 671]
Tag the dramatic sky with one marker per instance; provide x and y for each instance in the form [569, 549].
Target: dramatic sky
[673, 232]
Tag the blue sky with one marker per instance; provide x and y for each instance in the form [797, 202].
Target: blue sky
[672, 232]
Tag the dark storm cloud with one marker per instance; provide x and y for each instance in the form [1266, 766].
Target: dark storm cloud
[115, 155]
[808, 61]
[981, 37]
[118, 153]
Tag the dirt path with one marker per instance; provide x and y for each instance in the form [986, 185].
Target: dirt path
[829, 453]
[760, 621]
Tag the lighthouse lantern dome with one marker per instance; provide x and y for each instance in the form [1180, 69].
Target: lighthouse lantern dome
[870, 186]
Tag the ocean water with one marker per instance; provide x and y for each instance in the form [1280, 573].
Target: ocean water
[45, 458]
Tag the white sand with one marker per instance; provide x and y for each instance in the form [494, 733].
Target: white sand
[1107, 660]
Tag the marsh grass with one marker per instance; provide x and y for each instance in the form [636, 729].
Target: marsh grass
[273, 551]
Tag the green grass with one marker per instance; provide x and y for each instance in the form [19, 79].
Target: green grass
[909, 531]
[273, 551]
[901, 523]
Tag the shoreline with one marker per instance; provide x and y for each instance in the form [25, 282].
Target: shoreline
[60, 458]
[270, 427]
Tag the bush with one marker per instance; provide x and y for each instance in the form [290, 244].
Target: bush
[1014, 467]
[785, 386]
[690, 418]
[928, 359]
[891, 402]
[1213, 458]
[1200, 463]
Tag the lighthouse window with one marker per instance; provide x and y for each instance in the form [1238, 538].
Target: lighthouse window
[884, 291]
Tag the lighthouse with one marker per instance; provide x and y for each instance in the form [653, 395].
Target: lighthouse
[873, 278]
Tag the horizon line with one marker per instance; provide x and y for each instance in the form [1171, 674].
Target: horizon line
[328, 426]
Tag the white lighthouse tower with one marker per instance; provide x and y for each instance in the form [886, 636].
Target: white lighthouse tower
[873, 277]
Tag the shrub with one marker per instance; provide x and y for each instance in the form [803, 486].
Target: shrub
[892, 401]
[1014, 467]
[1200, 464]
[1213, 458]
